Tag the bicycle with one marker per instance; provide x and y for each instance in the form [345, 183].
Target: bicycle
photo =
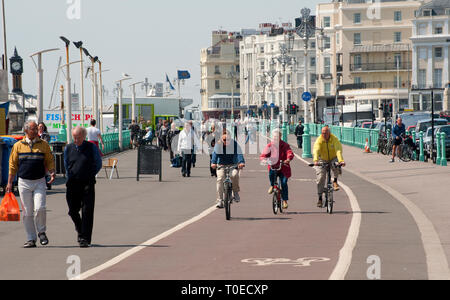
[406, 149]
[329, 191]
[228, 189]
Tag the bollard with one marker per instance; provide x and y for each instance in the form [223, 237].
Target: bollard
[444, 149]
[306, 143]
[438, 149]
[284, 130]
[414, 141]
[422, 153]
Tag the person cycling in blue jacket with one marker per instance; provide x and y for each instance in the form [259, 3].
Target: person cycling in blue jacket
[227, 152]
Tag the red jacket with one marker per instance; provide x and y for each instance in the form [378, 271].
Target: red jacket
[275, 153]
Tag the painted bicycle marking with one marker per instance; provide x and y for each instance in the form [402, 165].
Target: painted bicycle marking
[301, 262]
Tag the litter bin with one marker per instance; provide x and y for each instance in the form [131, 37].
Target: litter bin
[58, 154]
[7, 145]
[149, 161]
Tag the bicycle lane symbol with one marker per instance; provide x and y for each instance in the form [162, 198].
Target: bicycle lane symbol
[300, 262]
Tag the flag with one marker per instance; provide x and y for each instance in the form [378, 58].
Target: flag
[170, 83]
[183, 75]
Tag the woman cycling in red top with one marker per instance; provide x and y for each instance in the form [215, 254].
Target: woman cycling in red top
[275, 153]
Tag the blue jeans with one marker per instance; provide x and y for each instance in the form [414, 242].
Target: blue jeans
[273, 175]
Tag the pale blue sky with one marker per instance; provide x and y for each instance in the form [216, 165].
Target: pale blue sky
[140, 37]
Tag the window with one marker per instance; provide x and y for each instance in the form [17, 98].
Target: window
[422, 29]
[312, 79]
[397, 82]
[397, 37]
[357, 18]
[422, 78]
[326, 22]
[338, 40]
[217, 84]
[423, 53]
[398, 60]
[238, 68]
[262, 65]
[427, 13]
[438, 52]
[327, 88]
[357, 80]
[437, 78]
[327, 42]
[262, 49]
[238, 84]
[357, 61]
[397, 16]
[313, 45]
[357, 38]
[288, 79]
[326, 65]
[217, 70]
[438, 29]
[313, 62]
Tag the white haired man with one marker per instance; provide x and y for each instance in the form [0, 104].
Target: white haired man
[83, 162]
[30, 160]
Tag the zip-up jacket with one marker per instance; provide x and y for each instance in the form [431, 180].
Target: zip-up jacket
[31, 162]
[328, 151]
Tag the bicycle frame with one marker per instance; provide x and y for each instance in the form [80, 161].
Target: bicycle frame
[228, 189]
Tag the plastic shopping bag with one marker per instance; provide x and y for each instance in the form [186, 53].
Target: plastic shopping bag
[9, 209]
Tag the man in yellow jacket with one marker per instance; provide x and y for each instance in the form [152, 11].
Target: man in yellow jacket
[327, 148]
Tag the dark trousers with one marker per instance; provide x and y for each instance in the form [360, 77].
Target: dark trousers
[300, 142]
[213, 171]
[194, 158]
[81, 197]
[186, 165]
[273, 176]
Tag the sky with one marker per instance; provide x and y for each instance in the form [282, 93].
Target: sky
[143, 38]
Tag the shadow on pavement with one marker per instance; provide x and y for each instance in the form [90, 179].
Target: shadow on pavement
[261, 219]
[337, 213]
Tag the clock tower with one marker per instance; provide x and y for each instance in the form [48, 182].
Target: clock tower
[17, 71]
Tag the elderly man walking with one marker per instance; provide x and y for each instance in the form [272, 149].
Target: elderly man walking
[83, 162]
[31, 159]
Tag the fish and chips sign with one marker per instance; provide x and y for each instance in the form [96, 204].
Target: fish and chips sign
[52, 120]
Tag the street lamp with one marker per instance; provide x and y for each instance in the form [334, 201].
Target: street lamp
[100, 72]
[263, 83]
[68, 91]
[133, 99]
[233, 77]
[272, 73]
[40, 100]
[307, 30]
[79, 45]
[120, 124]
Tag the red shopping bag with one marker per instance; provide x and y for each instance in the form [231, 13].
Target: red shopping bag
[9, 209]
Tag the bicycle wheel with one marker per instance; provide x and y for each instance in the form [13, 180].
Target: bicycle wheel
[330, 204]
[227, 202]
[280, 204]
[275, 202]
[406, 154]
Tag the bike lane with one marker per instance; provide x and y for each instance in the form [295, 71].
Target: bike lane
[303, 243]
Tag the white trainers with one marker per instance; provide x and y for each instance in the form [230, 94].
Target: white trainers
[219, 205]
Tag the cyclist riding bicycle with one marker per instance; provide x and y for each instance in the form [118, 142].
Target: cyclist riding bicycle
[327, 149]
[277, 152]
[227, 153]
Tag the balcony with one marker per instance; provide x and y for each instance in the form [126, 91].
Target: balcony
[326, 76]
[391, 66]
[374, 85]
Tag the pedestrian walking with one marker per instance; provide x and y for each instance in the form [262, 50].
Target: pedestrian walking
[163, 133]
[134, 132]
[82, 162]
[211, 138]
[186, 142]
[299, 131]
[171, 139]
[94, 136]
[30, 160]
[194, 145]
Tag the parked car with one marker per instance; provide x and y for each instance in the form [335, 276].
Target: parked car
[445, 116]
[411, 128]
[423, 125]
[411, 119]
[360, 123]
[427, 141]
[369, 125]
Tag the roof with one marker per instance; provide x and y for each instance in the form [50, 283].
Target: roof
[438, 7]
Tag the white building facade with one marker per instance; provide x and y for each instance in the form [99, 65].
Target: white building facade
[431, 42]
[264, 80]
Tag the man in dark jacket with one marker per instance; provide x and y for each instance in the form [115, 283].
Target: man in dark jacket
[299, 131]
[82, 161]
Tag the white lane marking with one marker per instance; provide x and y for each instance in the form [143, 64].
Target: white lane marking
[437, 262]
[150, 242]
[301, 262]
[346, 253]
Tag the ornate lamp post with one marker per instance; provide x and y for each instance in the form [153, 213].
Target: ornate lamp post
[306, 30]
